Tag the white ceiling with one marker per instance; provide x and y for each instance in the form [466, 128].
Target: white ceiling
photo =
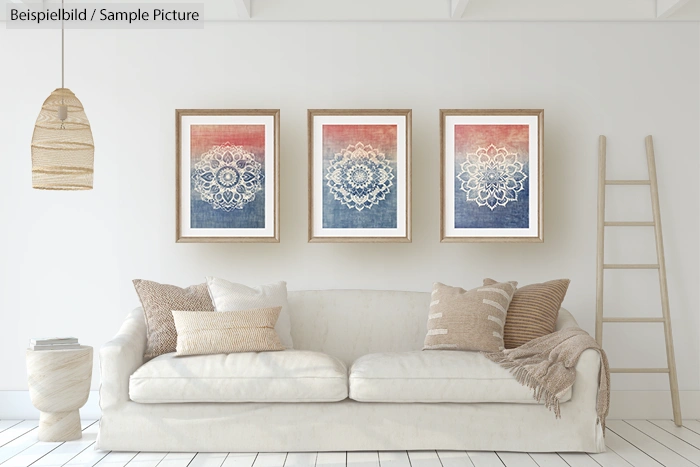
[436, 10]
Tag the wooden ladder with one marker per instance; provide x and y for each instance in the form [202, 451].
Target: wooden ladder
[660, 266]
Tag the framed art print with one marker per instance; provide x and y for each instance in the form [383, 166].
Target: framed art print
[491, 175]
[227, 183]
[359, 175]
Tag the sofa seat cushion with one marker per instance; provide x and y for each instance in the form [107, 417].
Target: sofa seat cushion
[285, 376]
[435, 376]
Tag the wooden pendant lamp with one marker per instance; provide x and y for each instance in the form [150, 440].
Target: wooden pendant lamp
[62, 146]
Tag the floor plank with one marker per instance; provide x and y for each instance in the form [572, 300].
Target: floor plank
[484, 459]
[454, 459]
[628, 451]
[548, 460]
[653, 448]
[681, 432]
[692, 425]
[208, 459]
[301, 459]
[177, 459]
[31, 454]
[672, 442]
[87, 458]
[424, 459]
[394, 459]
[66, 452]
[116, 459]
[18, 444]
[610, 458]
[516, 459]
[331, 459]
[16, 431]
[270, 459]
[578, 459]
[362, 459]
[240, 459]
[54, 454]
[5, 424]
[146, 459]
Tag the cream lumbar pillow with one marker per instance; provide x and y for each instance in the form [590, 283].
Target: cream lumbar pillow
[468, 320]
[202, 333]
[229, 296]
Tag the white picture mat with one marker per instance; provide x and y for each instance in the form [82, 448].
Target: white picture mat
[186, 169]
[533, 176]
[319, 180]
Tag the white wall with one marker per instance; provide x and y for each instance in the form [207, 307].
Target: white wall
[68, 258]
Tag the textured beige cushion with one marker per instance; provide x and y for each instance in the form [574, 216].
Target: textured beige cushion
[202, 333]
[468, 320]
[158, 301]
[533, 311]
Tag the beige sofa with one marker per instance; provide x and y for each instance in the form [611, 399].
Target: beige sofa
[356, 380]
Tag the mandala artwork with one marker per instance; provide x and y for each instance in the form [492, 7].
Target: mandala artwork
[359, 177]
[228, 177]
[492, 177]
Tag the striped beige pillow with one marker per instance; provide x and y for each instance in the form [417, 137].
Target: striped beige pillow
[200, 333]
[468, 320]
[533, 312]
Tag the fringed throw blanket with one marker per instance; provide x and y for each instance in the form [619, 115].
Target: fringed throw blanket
[548, 366]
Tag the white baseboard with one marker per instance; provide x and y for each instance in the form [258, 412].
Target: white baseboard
[652, 405]
[16, 405]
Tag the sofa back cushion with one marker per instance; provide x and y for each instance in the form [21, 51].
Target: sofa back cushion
[230, 296]
[348, 324]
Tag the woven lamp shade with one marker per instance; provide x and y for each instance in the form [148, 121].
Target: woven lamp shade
[62, 150]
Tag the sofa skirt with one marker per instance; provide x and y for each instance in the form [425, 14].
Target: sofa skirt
[348, 426]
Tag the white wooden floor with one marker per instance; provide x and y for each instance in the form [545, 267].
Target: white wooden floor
[637, 443]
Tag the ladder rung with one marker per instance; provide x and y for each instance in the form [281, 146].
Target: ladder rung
[638, 370]
[633, 320]
[629, 224]
[630, 266]
[627, 182]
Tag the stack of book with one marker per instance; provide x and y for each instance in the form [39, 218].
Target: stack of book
[54, 343]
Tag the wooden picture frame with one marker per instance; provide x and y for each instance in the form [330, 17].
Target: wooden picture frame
[491, 175]
[359, 175]
[227, 175]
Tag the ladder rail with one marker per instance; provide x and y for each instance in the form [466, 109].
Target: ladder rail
[600, 257]
[663, 284]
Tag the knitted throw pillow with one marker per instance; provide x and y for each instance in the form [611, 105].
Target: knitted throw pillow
[533, 312]
[159, 301]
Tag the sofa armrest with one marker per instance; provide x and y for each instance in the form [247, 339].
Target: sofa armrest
[565, 320]
[120, 357]
[585, 389]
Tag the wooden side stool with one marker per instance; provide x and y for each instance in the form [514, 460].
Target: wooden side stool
[59, 385]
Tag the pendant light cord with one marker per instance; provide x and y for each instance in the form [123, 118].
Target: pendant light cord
[62, 48]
